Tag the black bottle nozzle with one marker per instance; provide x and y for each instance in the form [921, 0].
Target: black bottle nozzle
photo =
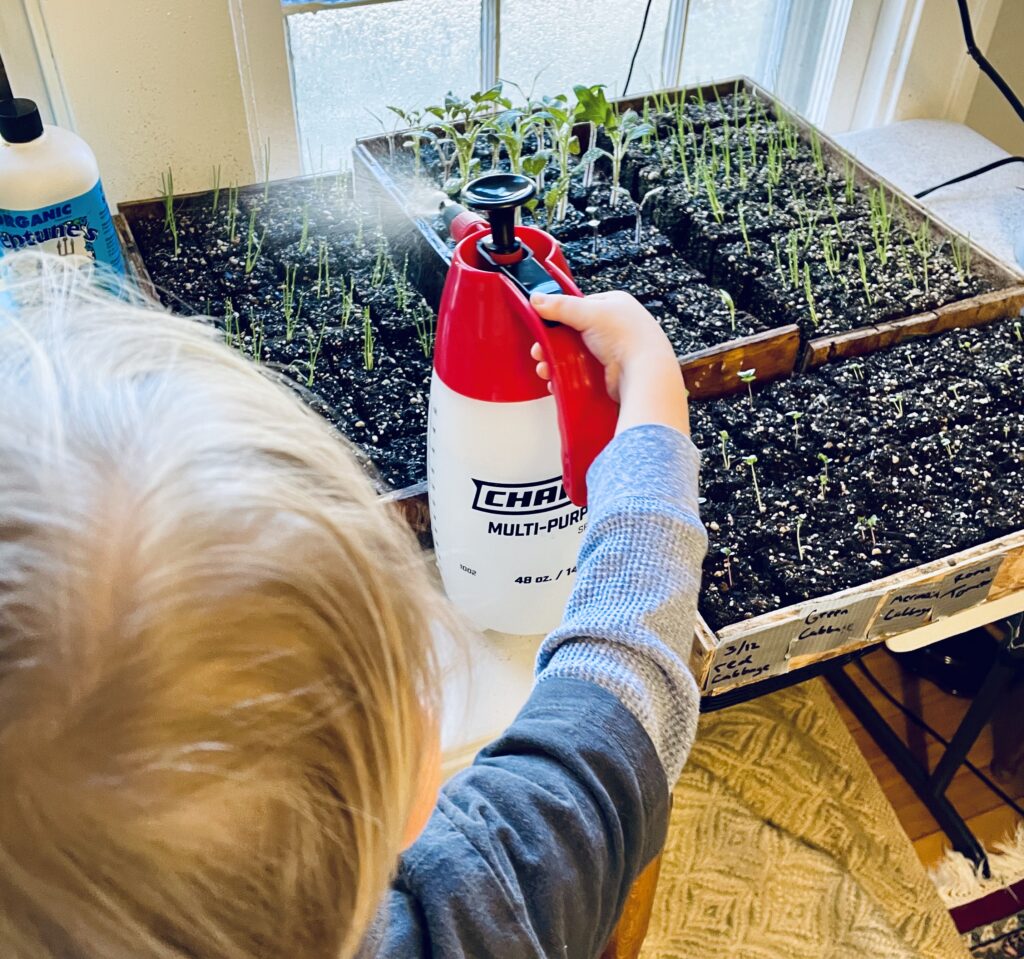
[499, 195]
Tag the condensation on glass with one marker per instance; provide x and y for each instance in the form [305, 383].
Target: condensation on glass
[350, 64]
[550, 47]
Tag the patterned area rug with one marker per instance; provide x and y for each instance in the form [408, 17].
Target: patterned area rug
[1002, 939]
[782, 846]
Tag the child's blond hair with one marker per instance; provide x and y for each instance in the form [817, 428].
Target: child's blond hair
[215, 656]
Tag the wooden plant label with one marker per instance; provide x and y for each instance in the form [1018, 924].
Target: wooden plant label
[966, 587]
[830, 624]
[906, 607]
[766, 652]
[755, 656]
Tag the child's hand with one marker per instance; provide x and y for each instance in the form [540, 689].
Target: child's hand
[641, 370]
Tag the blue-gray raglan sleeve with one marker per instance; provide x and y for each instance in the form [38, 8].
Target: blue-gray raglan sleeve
[531, 851]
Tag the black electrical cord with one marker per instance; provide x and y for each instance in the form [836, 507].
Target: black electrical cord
[636, 49]
[1001, 85]
[919, 722]
[967, 176]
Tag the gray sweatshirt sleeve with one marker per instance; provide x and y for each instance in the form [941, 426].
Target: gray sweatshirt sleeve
[629, 623]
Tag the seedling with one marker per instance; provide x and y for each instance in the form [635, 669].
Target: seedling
[962, 253]
[291, 305]
[862, 266]
[380, 264]
[850, 180]
[947, 444]
[266, 171]
[304, 238]
[955, 390]
[897, 403]
[170, 220]
[922, 239]
[730, 305]
[323, 271]
[867, 524]
[881, 223]
[462, 122]
[747, 377]
[315, 342]
[799, 545]
[833, 258]
[232, 214]
[423, 320]
[816, 152]
[565, 144]
[1005, 369]
[257, 338]
[723, 440]
[230, 324]
[1018, 333]
[252, 245]
[793, 258]
[367, 340]
[823, 476]
[795, 416]
[622, 129]
[712, 194]
[727, 563]
[743, 230]
[858, 370]
[417, 135]
[216, 189]
[751, 461]
[809, 295]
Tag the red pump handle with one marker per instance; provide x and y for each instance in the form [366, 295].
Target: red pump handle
[587, 415]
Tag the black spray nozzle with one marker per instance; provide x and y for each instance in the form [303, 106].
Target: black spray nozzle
[449, 211]
[499, 195]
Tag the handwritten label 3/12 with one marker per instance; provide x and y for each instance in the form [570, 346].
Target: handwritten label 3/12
[766, 652]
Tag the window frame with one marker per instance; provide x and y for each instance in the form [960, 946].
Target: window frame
[266, 71]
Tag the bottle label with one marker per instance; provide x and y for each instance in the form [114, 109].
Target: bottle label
[79, 227]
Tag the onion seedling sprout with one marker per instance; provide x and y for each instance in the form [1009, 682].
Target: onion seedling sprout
[216, 189]
[800, 549]
[750, 461]
[291, 306]
[423, 320]
[862, 266]
[1017, 332]
[315, 342]
[809, 295]
[257, 338]
[850, 179]
[170, 220]
[743, 230]
[816, 152]
[962, 253]
[232, 214]
[723, 441]
[266, 171]
[833, 258]
[747, 377]
[304, 238]
[367, 340]
[230, 323]
[323, 271]
[793, 258]
[252, 245]
[922, 239]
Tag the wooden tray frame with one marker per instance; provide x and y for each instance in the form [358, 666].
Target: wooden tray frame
[712, 373]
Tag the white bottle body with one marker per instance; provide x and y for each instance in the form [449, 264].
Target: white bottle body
[505, 535]
[52, 200]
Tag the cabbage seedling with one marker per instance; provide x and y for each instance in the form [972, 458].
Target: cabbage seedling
[795, 416]
[727, 563]
[723, 440]
[750, 461]
[730, 306]
[747, 377]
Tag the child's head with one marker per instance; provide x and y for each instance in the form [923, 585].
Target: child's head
[215, 649]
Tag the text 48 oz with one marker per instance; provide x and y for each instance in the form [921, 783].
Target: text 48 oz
[526, 580]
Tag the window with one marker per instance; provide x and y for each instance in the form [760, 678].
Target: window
[349, 60]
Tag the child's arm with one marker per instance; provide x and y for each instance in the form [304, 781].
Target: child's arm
[531, 852]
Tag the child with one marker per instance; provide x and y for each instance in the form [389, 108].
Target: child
[216, 676]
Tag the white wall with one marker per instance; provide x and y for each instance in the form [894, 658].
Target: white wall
[152, 83]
